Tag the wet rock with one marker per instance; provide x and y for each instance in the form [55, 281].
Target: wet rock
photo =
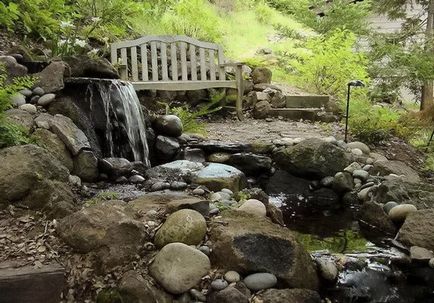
[186, 226]
[420, 254]
[32, 176]
[166, 147]
[254, 207]
[343, 182]
[250, 163]
[115, 167]
[232, 276]
[30, 108]
[135, 289]
[168, 125]
[388, 206]
[261, 75]
[106, 229]
[83, 66]
[176, 170]
[136, 179]
[327, 269]
[55, 146]
[219, 284]
[373, 214]
[20, 117]
[45, 100]
[17, 100]
[179, 267]
[361, 146]
[384, 168]
[247, 243]
[418, 229]
[313, 157]
[289, 296]
[261, 110]
[228, 295]
[73, 137]
[194, 155]
[217, 176]
[399, 213]
[260, 281]
[50, 79]
[86, 166]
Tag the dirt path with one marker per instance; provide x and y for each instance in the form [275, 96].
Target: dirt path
[261, 131]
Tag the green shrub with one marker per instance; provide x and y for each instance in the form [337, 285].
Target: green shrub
[331, 64]
[9, 13]
[264, 13]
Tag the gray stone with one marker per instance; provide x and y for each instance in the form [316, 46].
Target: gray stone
[289, 296]
[178, 267]
[372, 213]
[50, 79]
[384, 168]
[261, 110]
[45, 100]
[250, 163]
[166, 147]
[115, 167]
[43, 120]
[260, 281]
[26, 92]
[17, 100]
[388, 206]
[86, 166]
[327, 269]
[219, 284]
[177, 185]
[82, 66]
[13, 69]
[247, 243]
[361, 174]
[361, 146]
[142, 290]
[75, 180]
[313, 157]
[168, 125]
[254, 207]
[136, 179]
[366, 193]
[157, 186]
[232, 276]
[343, 182]
[217, 176]
[30, 108]
[418, 229]
[261, 75]
[228, 295]
[73, 137]
[357, 152]
[420, 254]
[205, 249]
[39, 91]
[219, 157]
[186, 226]
[20, 117]
[198, 191]
[194, 155]
[198, 295]
[327, 181]
[399, 213]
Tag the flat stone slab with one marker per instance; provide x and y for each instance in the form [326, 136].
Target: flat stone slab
[309, 101]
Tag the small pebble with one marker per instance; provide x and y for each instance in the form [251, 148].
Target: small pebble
[26, 92]
[219, 284]
[34, 100]
[46, 99]
[177, 185]
[205, 249]
[136, 179]
[232, 276]
[38, 91]
[260, 281]
[198, 191]
[227, 191]
[30, 108]
[160, 186]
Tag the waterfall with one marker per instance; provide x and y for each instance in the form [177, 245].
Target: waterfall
[124, 130]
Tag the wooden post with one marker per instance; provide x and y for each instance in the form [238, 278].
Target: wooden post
[240, 89]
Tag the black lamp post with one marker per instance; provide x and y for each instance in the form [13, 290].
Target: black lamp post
[355, 83]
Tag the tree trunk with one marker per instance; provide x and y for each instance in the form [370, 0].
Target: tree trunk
[427, 89]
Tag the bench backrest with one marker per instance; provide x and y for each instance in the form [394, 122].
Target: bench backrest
[169, 58]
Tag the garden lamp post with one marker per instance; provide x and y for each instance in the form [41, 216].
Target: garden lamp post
[355, 83]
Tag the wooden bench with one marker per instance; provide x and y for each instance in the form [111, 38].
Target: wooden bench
[175, 63]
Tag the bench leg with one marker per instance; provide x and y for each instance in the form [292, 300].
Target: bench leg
[240, 89]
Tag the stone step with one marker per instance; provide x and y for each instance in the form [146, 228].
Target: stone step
[31, 285]
[310, 114]
[310, 101]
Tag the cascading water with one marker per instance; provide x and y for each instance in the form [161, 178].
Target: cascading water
[124, 116]
[110, 114]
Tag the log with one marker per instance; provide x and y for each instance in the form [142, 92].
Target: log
[32, 285]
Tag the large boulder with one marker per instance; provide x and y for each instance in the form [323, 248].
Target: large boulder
[50, 79]
[176, 170]
[86, 166]
[418, 229]
[261, 109]
[168, 125]
[83, 66]
[136, 289]
[313, 158]
[166, 147]
[399, 190]
[186, 226]
[20, 117]
[55, 146]
[247, 243]
[250, 164]
[288, 296]
[217, 176]
[115, 167]
[178, 267]
[105, 229]
[373, 215]
[384, 168]
[261, 75]
[13, 69]
[31, 176]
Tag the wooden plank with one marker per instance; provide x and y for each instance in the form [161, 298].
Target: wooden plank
[114, 55]
[174, 63]
[184, 71]
[32, 285]
[144, 54]
[183, 85]
[221, 61]
[134, 66]
[202, 64]
[154, 58]
[167, 39]
[193, 62]
[212, 70]
[164, 67]
[124, 58]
